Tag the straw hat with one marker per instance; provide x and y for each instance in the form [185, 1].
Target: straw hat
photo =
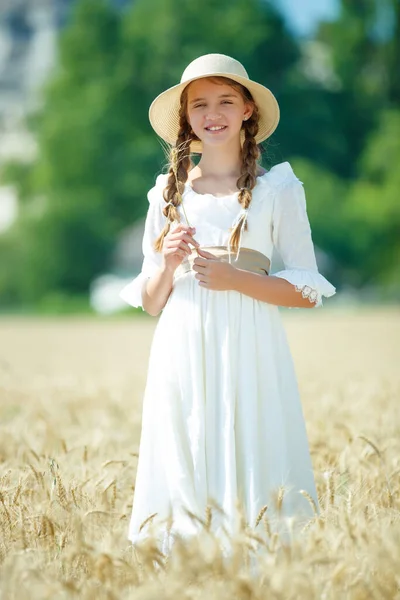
[164, 110]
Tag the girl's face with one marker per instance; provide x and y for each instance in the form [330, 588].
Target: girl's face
[216, 112]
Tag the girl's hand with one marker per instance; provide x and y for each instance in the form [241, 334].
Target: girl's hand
[176, 246]
[212, 273]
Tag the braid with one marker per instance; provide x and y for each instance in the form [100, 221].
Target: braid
[180, 163]
[247, 180]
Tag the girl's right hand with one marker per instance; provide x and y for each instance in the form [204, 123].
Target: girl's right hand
[176, 246]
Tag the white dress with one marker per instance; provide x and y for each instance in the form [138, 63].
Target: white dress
[222, 418]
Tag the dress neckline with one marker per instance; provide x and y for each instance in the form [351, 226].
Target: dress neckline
[190, 187]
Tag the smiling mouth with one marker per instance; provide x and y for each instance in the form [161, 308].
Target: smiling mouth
[215, 128]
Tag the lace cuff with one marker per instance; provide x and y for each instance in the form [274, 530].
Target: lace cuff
[312, 285]
[308, 292]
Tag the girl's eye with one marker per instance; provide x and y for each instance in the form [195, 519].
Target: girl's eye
[223, 102]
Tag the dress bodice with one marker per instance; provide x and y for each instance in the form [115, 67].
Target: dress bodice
[277, 217]
[214, 216]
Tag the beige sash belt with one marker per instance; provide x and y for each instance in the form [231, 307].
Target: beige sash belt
[248, 260]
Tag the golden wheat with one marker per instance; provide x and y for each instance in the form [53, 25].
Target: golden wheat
[70, 416]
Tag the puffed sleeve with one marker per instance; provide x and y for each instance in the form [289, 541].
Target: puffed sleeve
[155, 220]
[291, 235]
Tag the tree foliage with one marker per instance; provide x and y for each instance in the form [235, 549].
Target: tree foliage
[99, 156]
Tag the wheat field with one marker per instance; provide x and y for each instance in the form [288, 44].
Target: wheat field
[70, 411]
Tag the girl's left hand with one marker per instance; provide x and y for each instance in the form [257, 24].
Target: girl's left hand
[212, 273]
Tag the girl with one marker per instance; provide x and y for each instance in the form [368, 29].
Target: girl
[222, 423]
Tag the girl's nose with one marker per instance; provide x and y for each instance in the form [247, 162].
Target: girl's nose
[213, 111]
[213, 115]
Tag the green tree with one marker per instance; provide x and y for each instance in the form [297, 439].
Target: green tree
[78, 179]
[98, 154]
[373, 209]
[364, 43]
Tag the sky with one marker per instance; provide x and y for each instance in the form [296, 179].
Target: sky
[303, 15]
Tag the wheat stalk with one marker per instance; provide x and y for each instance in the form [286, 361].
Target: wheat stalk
[195, 518]
[267, 526]
[311, 501]
[38, 476]
[173, 160]
[61, 492]
[150, 518]
[379, 454]
[330, 490]
[5, 510]
[208, 517]
[260, 515]
[17, 493]
[278, 498]
[89, 555]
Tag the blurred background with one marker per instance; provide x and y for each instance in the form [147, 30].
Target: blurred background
[78, 155]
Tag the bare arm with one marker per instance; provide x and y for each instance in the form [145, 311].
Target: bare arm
[156, 291]
[268, 288]
[157, 288]
[217, 275]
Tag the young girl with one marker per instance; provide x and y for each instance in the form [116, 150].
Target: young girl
[222, 424]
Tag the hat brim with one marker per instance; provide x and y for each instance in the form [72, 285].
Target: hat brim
[164, 110]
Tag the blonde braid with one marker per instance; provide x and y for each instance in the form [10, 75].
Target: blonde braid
[180, 164]
[247, 180]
